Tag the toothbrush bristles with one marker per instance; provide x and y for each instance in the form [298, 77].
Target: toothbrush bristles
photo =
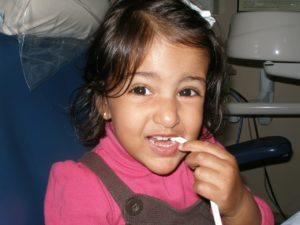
[180, 140]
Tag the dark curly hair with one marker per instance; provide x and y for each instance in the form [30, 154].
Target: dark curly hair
[119, 47]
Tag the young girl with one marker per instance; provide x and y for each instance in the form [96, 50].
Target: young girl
[154, 72]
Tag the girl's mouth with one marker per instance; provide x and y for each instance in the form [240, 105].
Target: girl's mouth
[163, 145]
[161, 141]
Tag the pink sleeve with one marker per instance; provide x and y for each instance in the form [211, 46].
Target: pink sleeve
[76, 196]
[267, 217]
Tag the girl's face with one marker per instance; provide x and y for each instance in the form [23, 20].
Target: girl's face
[165, 99]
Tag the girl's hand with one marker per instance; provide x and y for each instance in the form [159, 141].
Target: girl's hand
[217, 178]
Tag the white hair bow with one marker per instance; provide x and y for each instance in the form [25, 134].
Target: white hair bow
[204, 13]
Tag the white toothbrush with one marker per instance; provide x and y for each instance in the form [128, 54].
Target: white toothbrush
[214, 206]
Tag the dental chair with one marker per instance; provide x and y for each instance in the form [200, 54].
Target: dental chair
[35, 132]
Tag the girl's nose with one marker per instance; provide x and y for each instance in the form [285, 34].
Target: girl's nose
[166, 113]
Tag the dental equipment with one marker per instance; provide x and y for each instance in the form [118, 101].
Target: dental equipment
[273, 38]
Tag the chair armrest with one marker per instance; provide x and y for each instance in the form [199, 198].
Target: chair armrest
[261, 152]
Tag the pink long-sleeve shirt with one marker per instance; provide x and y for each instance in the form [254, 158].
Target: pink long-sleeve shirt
[76, 196]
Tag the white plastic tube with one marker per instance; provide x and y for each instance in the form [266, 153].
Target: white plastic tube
[264, 109]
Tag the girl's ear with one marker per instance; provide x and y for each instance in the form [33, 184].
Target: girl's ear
[103, 108]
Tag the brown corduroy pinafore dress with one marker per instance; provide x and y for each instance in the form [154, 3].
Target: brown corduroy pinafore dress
[138, 209]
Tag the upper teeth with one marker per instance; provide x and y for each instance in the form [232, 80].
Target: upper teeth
[160, 138]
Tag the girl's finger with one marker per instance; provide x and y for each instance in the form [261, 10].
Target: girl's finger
[204, 146]
[204, 159]
[206, 175]
[209, 155]
[213, 157]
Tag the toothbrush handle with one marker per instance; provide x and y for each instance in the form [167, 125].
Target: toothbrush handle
[216, 213]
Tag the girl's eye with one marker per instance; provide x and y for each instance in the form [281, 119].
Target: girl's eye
[188, 92]
[140, 90]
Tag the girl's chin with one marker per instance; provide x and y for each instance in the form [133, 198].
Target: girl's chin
[164, 168]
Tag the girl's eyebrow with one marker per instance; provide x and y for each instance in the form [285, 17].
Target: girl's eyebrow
[146, 74]
[195, 77]
[187, 77]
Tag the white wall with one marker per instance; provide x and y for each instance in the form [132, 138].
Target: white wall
[285, 177]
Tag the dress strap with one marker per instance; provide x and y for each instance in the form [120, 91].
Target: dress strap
[118, 189]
